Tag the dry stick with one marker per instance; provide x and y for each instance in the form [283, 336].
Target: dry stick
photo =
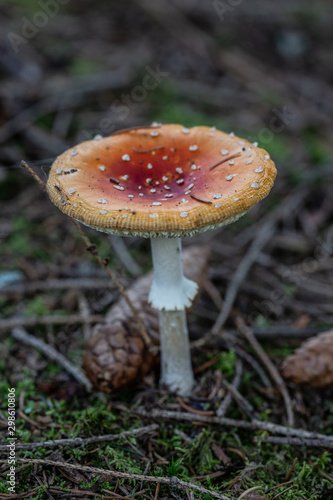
[247, 332]
[84, 493]
[147, 150]
[8, 324]
[294, 441]
[189, 494]
[291, 469]
[193, 410]
[157, 491]
[221, 411]
[225, 159]
[282, 492]
[124, 256]
[83, 441]
[230, 422]
[200, 199]
[56, 284]
[248, 491]
[34, 175]
[20, 495]
[240, 400]
[172, 482]
[228, 341]
[264, 235]
[279, 485]
[85, 313]
[114, 278]
[285, 332]
[102, 263]
[49, 351]
[254, 364]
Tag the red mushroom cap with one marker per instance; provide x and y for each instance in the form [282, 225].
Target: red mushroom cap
[163, 181]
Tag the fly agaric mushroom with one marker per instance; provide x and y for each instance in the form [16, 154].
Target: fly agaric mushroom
[163, 182]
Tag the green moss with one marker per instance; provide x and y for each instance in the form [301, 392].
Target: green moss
[119, 460]
[226, 363]
[82, 66]
[199, 455]
[19, 244]
[319, 152]
[279, 148]
[261, 321]
[92, 418]
[36, 307]
[169, 106]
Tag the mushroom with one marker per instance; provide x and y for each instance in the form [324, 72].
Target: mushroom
[163, 182]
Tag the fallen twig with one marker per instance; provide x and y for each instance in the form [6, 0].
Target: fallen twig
[286, 332]
[230, 422]
[239, 398]
[254, 364]
[172, 482]
[295, 441]
[121, 251]
[85, 313]
[20, 334]
[73, 319]
[270, 367]
[56, 284]
[221, 411]
[93, 250]
[83, 441]
[228, 341]
[279, 485]
[243, 495]
[291, 469]
[193, 410]
[282, 492]
[86, 493]
[263, 235]
[157, 491]
[26, 494]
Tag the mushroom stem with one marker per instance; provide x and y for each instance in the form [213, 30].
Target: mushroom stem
[176, 366]
[171, 293]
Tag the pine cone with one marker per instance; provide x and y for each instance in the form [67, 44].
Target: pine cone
[115, 355]
[312, 362]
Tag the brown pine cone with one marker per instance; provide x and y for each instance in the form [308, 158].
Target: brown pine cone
[115, 355]
[312, 362]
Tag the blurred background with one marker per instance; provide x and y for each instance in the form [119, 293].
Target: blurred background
[71, 70]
